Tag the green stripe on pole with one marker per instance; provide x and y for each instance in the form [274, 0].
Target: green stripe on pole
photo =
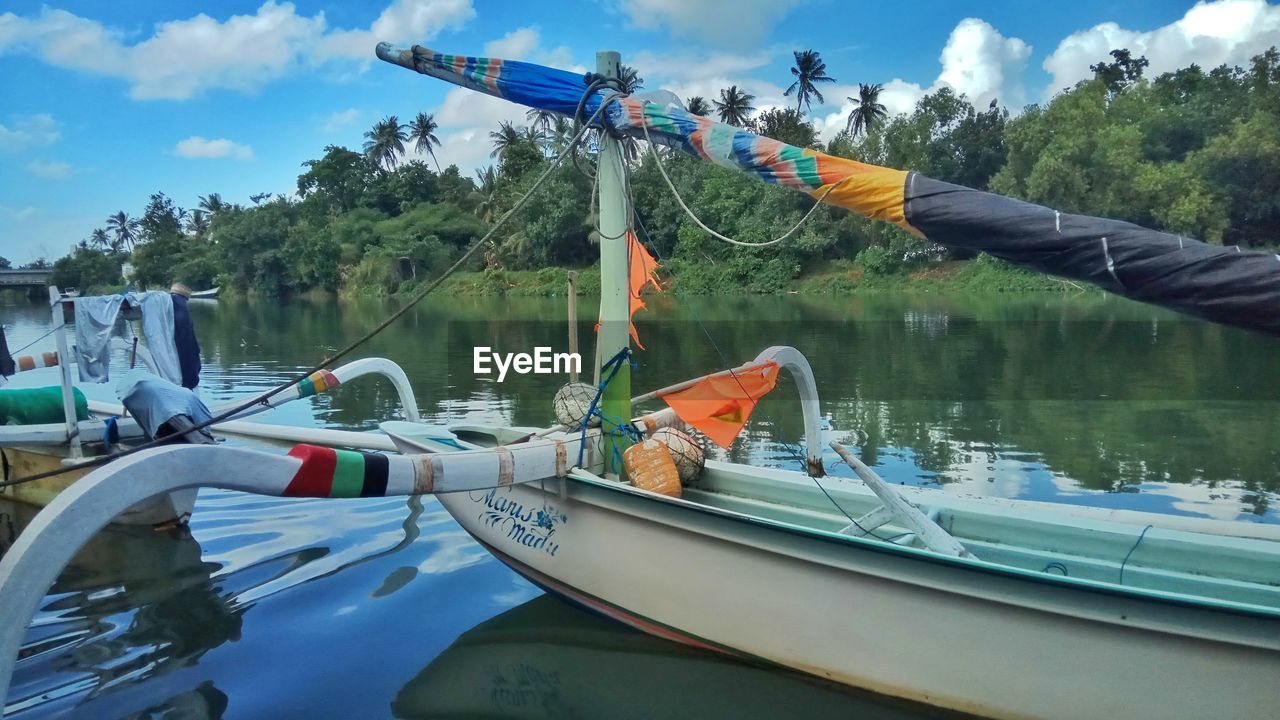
[306, 388]
[348, 475]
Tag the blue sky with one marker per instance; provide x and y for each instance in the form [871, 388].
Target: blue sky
[102, 104]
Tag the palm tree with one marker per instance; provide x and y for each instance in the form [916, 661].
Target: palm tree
[487, 191]
[212, 203]
[734, 105]
[629, 79]
[809, 70]
[867, 111]
[561, 132]
[98, 238]
[697, 105]
[544, 120]
[534, 137]
[198, 223]
[504, 137]
[385, 142]
[422, 131]
[124, 227]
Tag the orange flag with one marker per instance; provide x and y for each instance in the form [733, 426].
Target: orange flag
[720, 406]
[642, 269]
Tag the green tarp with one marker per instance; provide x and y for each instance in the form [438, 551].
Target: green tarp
[35, 406]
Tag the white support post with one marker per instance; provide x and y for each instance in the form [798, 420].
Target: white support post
[64, 374]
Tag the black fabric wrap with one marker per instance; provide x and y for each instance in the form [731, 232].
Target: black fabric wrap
[1227, 285]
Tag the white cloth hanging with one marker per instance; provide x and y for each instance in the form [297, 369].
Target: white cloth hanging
[96, 321]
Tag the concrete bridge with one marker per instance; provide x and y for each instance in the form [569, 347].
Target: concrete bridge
[30, 277]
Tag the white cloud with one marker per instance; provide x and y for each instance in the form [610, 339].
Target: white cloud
[403, 21]
[1209, 34]
[196, 147]
[723, 22]
[18, 215]
[27, 132]
[465, 118]
[340, 119]
[515, 45]
[184, 58]
[977, 61]
[53, 170]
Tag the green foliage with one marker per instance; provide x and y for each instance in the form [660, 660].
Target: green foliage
[86, 268]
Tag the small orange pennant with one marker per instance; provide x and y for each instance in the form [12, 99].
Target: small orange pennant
[642, 269]
[720, 406]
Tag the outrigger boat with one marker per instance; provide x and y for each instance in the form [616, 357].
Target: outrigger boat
[1002, 608]
[31, 449]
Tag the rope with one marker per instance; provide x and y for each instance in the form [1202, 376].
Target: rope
[475, 247]
[1128, 555]
[33, 342]
[680, 201]
[619, 424]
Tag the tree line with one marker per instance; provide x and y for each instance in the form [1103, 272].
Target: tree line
[1194, 151]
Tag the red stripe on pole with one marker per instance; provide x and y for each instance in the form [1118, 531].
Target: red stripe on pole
[315, 477]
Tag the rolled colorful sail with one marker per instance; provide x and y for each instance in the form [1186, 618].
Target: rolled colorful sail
[1228, 285]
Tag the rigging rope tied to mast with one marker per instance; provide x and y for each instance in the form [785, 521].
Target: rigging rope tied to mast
[264, 397]
[680, 201]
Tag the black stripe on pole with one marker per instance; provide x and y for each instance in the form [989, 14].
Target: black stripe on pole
[375, 475]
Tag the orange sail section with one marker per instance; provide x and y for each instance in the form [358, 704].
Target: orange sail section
[643, 272]
[719, 406]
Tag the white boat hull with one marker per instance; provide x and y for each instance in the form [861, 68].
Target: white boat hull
[861, 613]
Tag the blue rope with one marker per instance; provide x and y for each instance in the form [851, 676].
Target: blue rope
[1130, 553]
[613, 365]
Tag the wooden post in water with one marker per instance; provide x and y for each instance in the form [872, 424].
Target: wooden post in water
[615, 300]
[573, 322]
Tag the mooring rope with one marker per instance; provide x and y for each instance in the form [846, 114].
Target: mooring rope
[475, 247]
[680, 201]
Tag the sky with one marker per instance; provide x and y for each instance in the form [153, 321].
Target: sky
[102, 104]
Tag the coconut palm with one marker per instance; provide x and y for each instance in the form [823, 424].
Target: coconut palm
[697, 105]
[534, 136]
[809, 70]
[212, 203]
[198, 223]
[487, 193]
[734, 105]
[98, 238]
[544, 120]
[561, 132]
[422, 131]
[867, 111]
[504, 137]
[629, 79]
[125, 229]
[384, 144]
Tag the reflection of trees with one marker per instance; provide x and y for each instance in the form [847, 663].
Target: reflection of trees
[1107, 392]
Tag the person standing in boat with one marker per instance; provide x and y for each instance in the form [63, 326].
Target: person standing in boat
[184, 337]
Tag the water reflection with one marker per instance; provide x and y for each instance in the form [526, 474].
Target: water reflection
[548, 659]
[134, 605]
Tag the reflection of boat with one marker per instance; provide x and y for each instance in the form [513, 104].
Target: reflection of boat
[1004, 608]
[210, 294]
[547, 659]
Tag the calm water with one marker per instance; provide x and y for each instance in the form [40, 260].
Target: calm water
[386, 608]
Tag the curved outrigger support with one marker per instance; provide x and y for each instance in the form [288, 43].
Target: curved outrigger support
[795, 363]
[325, 380]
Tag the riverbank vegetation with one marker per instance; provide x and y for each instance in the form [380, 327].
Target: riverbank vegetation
[1195, 152]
